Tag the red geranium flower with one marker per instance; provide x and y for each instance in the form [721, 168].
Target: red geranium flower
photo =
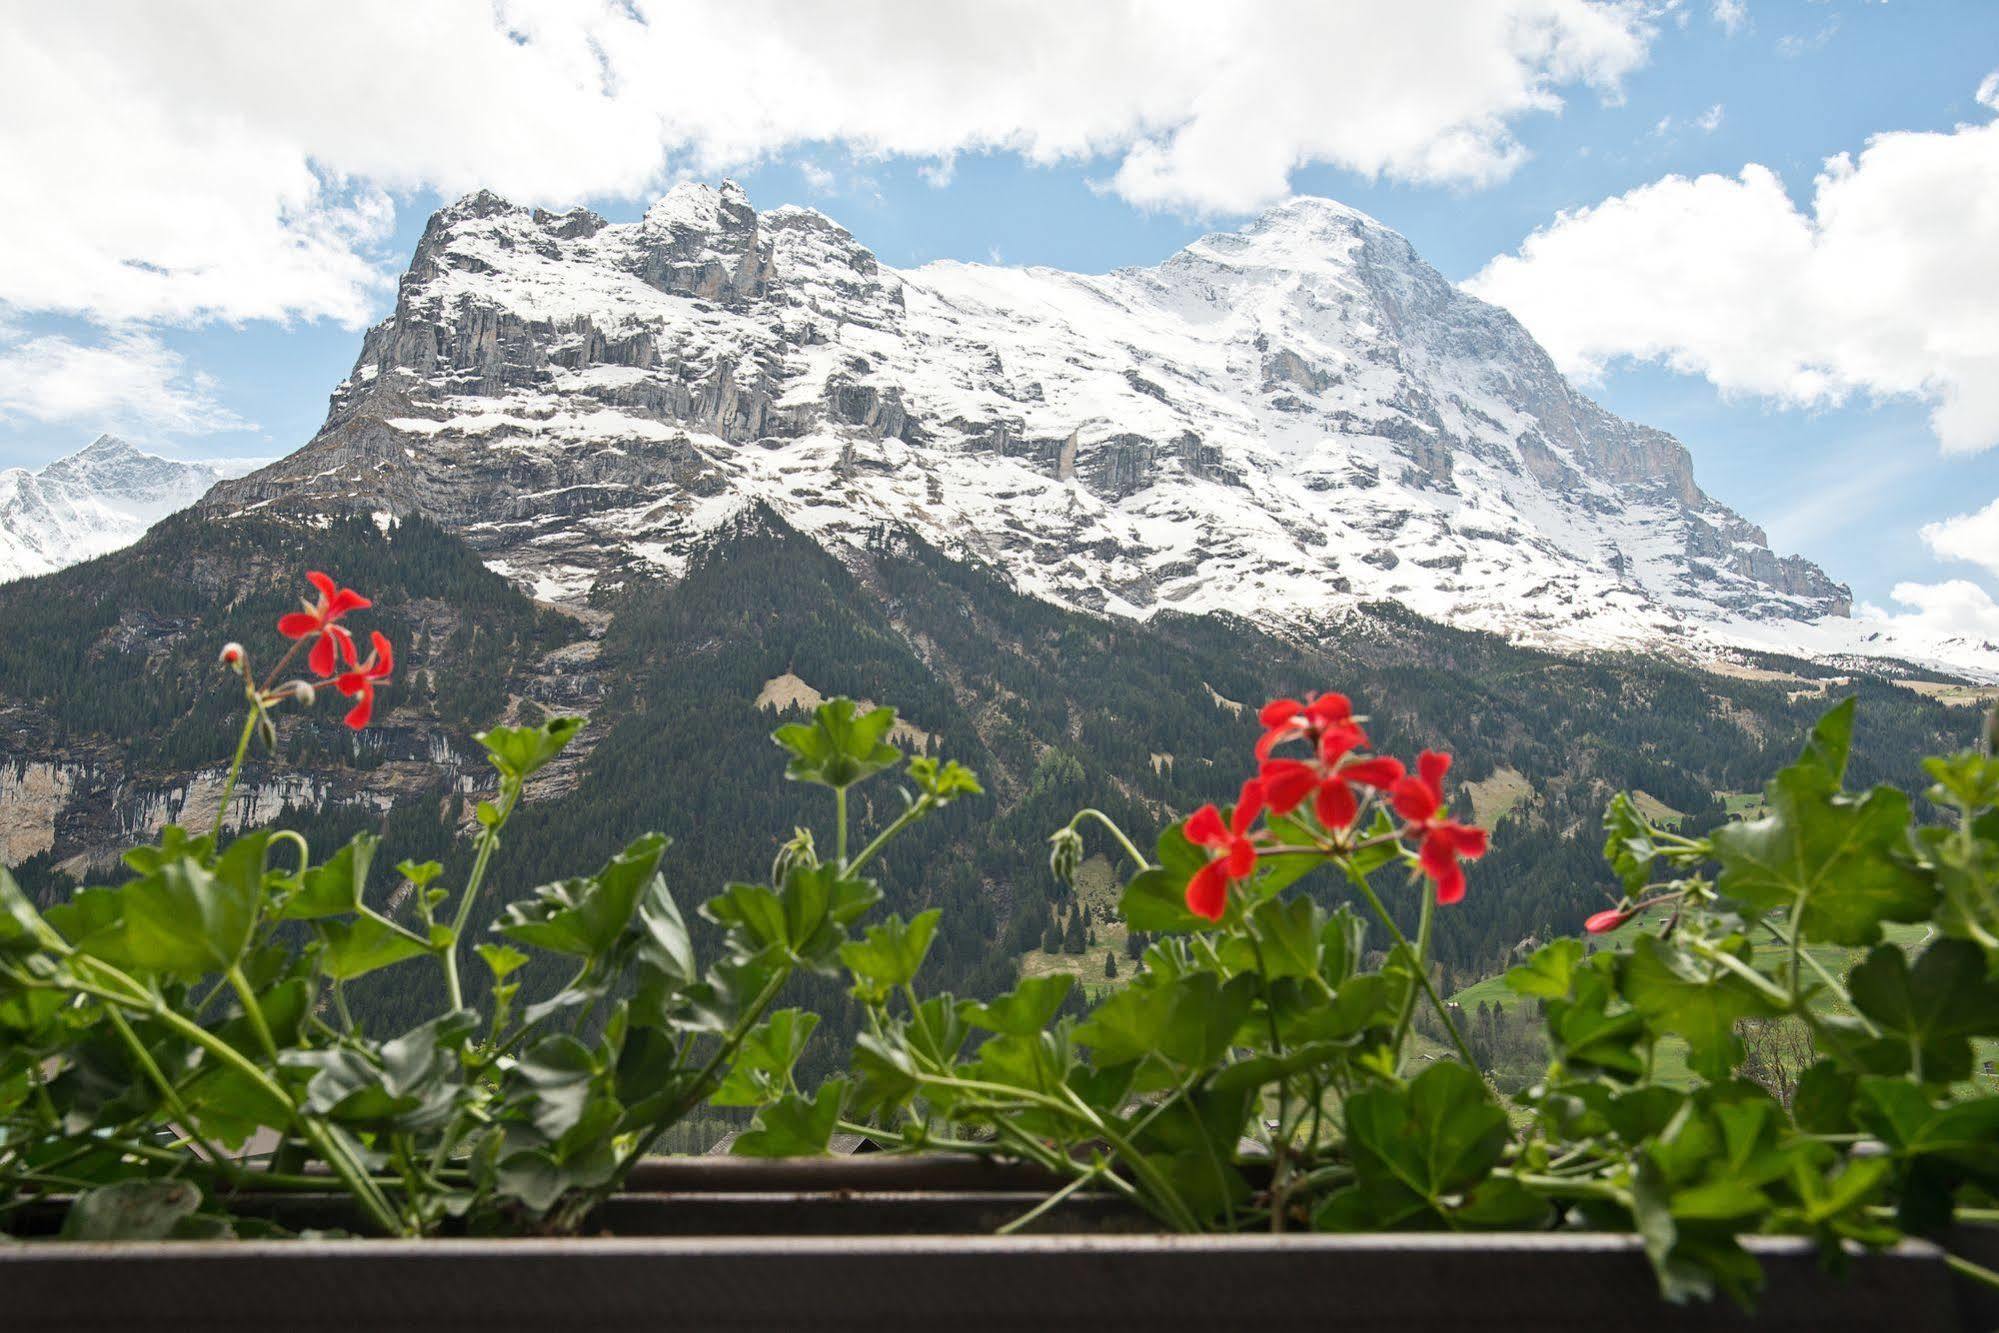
[1208, 890]
[1328, 722]
[1445, 842]
[1287, 720]
[1605, 922]
[318, 617]
[361, 679]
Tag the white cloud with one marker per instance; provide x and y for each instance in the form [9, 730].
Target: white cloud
[130, 381]
[236, 160]
[1888, 285]
[816, 177]
[1731, 14]
[1988, 90]
[1973, 537]
[1955, 611]
[1710, 120]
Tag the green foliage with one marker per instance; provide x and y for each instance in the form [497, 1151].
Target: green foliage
[210, 991]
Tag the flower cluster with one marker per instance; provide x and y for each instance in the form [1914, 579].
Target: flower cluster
[1337, 782]
[333, 659]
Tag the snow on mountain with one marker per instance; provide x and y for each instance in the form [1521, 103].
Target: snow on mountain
[1283, 421]
[94, 502]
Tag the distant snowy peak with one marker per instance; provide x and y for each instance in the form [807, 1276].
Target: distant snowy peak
[92, 503]
[1289, 419]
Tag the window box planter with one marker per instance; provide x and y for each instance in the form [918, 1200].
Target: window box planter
[904, 1243]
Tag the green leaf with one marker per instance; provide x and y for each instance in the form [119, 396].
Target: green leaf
[502, 960]
[363, 945]
[1700, 1001]
[584, 918]
[335, 888]
[22, 929]
[1189, 1020]
[1156, 899]
[889, 956]
[1589, 1028]
[1935, 1008]
[519, 752]
[131, 1210]
[185, 920]
[943, 783]
[805, 920]
[1629, 843]
[559, 1071]
[1549, 973]
[1026, 1010]
[1831, 857]
[1422, 1154]
[410, 1083]
[792, 1126]
[1287, 936]
[761, 1071]
[836, 748]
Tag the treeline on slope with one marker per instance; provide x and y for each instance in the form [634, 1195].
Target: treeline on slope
[122, 648]
[1054, 709]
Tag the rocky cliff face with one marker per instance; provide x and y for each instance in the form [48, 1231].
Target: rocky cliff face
[91, 503]
[1288, 420]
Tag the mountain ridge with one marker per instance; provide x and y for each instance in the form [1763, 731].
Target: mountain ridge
[1288, 421]
[92, 502]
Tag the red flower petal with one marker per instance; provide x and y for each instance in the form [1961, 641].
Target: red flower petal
[1413, 800]
[1247, 807]
[1205, 828]
[1437, 855]
[1337, 740]
[1286, 783]
[297, 625]
[344, 601]
[1208, 892]
[357, 717]
[1279, 711]
[321, 659]
[1451, 885]
[384, 655]
[1241, 859]
[1329, 708]
[1336, 806]
[325, 584]
[1379, 773]
[1471, 842]
[1431, 767]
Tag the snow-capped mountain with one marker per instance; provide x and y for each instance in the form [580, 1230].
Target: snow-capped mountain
[92, 503]
[1283, 421]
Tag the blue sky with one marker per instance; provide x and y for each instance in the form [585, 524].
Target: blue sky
[1715, 88]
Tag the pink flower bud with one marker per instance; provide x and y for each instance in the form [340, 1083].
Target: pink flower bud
[1605, 922]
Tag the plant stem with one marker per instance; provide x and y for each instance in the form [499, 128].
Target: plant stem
[489, 838]
[235, 771]
[329, 1148]
[1976, 1272]
[1359, 881]
[1054, 1200]
[915, 812]
[840, 821]
[1115, 832]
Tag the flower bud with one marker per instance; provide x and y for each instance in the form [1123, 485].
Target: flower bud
[800, 851]
[231, 655]
[303, 691]
[1605, 922]
[1065, 855]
